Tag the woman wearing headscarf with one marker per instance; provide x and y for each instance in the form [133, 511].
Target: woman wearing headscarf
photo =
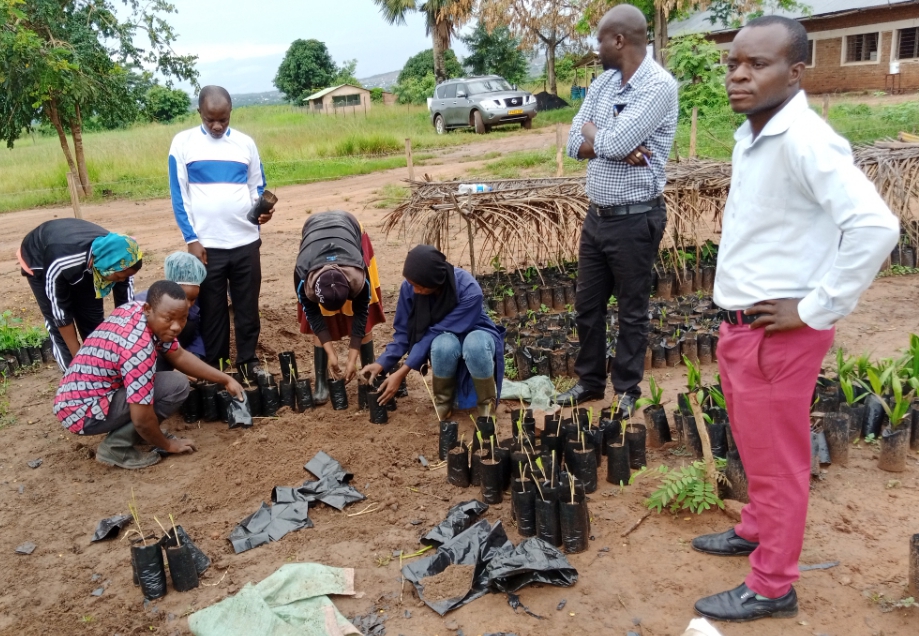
[440, 319]
[338, 288]
[188, 272]
[71, 265]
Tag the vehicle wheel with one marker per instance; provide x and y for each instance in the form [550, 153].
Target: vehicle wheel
[526, 123]
[439, 125]
[478, 123]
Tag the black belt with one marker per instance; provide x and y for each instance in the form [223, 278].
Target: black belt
[622, 210]
[738, 317]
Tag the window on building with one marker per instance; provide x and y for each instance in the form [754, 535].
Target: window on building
[810, 52]
[908, 44]
[862, 47]
[346, 100]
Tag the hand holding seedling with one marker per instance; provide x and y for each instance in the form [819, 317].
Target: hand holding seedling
[370, 372]
[391, 384]
[234, 388]
[264, 218]
[777, 315]
[334, 369]
[197, 250]
[351, 364]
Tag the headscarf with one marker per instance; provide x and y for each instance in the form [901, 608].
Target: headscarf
[428, 267]
[184, 268]
[112, 253]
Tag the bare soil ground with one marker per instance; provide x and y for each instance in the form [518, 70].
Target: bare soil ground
[647, 582]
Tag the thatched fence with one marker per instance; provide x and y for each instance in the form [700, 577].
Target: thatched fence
[538, 221]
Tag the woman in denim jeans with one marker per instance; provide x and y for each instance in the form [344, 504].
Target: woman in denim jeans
[440, 320]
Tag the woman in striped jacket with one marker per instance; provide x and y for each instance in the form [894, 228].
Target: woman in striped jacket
[71, 265]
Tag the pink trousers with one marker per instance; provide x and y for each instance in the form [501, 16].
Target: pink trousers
[768, 383]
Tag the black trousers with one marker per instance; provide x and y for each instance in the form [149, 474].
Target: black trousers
[88, 313]
[241, 268]
[616, 257]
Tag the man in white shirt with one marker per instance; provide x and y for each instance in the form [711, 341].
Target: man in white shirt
[215, 177]
[804, 234]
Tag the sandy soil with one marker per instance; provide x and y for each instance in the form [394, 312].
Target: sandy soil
[646, 582]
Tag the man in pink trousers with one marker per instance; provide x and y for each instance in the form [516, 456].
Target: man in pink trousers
[804, 233]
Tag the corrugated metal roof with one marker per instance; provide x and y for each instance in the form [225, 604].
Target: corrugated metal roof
[330, 89]
[701, 23]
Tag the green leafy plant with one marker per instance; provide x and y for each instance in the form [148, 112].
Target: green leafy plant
[510, 368]
[684, 488]
[693, 375]
[695, 63]
[543, 309]
[656, 395]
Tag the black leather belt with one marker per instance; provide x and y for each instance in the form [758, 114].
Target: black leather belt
[623, 210]
[738, 317]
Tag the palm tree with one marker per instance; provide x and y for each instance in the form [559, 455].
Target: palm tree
[443, 17]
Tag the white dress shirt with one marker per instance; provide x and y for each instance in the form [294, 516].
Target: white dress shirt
[801, 220]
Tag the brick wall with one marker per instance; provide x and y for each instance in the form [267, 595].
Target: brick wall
[829, 75]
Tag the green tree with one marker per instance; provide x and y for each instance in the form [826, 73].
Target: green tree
[306, 68]
[442, 19]
[376, 95]
[60, 59]
[164, 104]
[346, 74]
[421, 65]
[497, 52]
[415, 90]
[695, 63]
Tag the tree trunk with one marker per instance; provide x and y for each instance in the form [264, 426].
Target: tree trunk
[550, 66]
[441, 40]
[76, 131]
[55, 118]
[660, 35]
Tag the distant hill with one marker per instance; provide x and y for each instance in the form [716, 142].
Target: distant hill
[258, 99]
[383, 80]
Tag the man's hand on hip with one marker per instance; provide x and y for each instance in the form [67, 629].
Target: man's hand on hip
[777, 315]
[197, 250]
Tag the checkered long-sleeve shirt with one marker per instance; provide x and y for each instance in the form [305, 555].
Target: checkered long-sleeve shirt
[641, 113]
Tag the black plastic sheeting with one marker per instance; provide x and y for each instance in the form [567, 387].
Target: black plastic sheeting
[499, 566]
[269, 523]
[290, 505]
[202, 561]
[109, 528]
[459, 518]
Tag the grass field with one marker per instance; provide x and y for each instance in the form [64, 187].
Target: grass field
[297, 147]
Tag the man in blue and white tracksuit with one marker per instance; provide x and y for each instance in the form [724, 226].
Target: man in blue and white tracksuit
[215, 177]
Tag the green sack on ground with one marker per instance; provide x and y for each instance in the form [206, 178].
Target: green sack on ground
[291, 602]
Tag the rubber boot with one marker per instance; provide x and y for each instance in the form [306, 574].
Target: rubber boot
[486, 392]
[119, 449]
[321, 370]
[367, 354]
[444, 395]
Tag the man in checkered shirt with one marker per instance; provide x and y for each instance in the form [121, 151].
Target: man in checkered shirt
[625, 129]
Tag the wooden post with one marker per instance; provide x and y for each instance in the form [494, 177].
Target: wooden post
[74, 196]
[408, 159]
[826, 106]
[471, 245]
[692, 132]
[559, 157]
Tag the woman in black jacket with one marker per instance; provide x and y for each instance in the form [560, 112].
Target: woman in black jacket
[338, 287]
[71, 265]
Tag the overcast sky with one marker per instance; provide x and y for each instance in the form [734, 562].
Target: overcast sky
[240, 43]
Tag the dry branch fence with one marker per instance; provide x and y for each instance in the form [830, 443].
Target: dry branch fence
[538, 221]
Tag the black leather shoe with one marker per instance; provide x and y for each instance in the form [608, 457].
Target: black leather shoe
[577, 394]
[740, 605]
[725, 543]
